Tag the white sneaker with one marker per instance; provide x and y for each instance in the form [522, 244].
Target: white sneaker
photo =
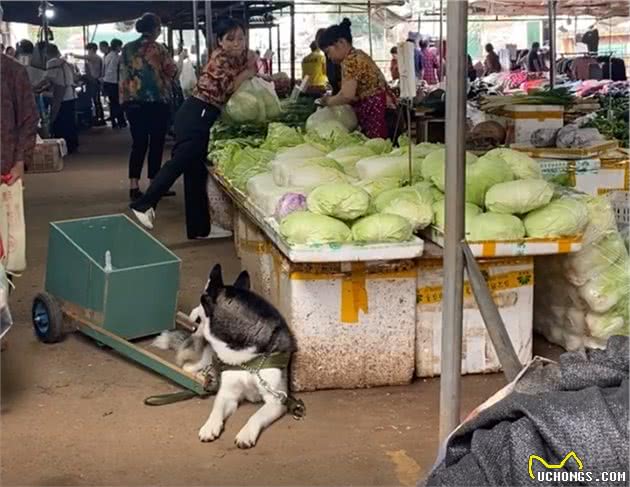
[216, 232]
[145, 218]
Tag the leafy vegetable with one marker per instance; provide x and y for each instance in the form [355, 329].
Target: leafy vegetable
[343, 114]
[594, 258]
[348, 157]
[312, 175]
[304, 227]
[340, 200]
[378, 146]
[433, 166]
[606, 289]
[289, 203]
[616, 321]
[419, 193]
[560, 218]
[523, 166]
[381, 228]
[484, 173]
[518, 197]
[470, 211]
[376, 186]
[280, 135]
[419, 214]
[387, 165]
[495, 226]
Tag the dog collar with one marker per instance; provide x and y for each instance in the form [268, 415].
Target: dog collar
[279, 360]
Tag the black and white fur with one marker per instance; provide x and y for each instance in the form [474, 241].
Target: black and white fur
[239, 325]
[192, 351]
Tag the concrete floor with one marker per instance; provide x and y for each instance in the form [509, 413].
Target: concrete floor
[72, 413]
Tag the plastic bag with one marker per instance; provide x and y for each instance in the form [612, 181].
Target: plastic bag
[255, 101]
[12, 227]
[188, 78]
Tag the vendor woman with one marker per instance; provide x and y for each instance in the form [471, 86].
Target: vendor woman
[229, 66]
[363, 85]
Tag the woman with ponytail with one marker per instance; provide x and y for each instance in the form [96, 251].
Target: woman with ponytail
[363, 85]
[147, 72]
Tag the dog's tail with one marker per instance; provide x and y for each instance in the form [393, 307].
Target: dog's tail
[170, 340]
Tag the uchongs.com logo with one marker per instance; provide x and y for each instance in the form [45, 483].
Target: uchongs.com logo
[556, 472]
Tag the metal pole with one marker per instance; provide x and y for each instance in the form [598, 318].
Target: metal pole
[292, 50]
[552, 42]
[271, 49]
[456, 18]
[369, 12]
[196, 30]
[246, 21]
[279, 50]
[169, 38]
[440, 46]
[209, 31]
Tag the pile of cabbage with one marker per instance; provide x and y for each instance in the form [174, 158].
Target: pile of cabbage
[583, 298]
[507, 198]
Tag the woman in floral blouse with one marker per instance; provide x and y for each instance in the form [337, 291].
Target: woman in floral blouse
[147, 72]
[363, 85]
[229, 66]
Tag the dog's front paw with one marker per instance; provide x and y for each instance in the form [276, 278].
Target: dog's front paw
[246, 438]
[210, 431]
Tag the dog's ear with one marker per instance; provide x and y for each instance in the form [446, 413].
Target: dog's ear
[242, 281]
[206, 303]
[215, 281]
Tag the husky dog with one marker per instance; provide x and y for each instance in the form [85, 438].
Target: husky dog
[192, 351]
[240, 326]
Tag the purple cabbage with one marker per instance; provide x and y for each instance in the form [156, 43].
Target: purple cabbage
[289, 203]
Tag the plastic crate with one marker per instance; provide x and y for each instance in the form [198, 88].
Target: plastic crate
[621, 205]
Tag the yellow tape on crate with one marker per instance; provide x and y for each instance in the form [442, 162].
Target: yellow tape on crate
[354, 296]
[500, 282]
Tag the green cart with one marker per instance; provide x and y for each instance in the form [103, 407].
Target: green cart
[109, 279]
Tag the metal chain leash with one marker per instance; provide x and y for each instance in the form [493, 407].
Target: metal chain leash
[295, 406]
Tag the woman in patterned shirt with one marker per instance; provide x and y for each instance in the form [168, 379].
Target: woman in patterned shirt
[147, 72]
[229, 66]
[363, 85]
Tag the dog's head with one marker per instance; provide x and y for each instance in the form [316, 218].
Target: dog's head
[216, 289]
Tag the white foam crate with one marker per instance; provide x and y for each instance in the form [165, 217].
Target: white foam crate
[511, 282]
[354, 322]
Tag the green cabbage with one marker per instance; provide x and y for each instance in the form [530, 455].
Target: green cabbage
[616, 321]
[439, 210]
[304, 227]
[420, 193]
[388, 165]
[495, 226]
[339, 200]
[280, 135]
[254, 101]
[423, 149]
[418, 214]
[243, 107]
[284, 168]
[379, 146]
[310, 176]
[246, 163]
[348, 157]
[330, 129]
[344, 114]
[561, 218]
[300, 152]
[602, 219]
[605, 290]
[381, 228]
[482, 174]
[594, 258]
[377, 186]
[523, 166]
[518, 197]
[433, 166]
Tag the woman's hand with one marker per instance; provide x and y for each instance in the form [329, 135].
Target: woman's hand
[242, 77]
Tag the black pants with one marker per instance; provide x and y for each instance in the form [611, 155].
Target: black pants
[94, 90]
[65, 125]
[192, 133]
[148, 123]
[116, 111]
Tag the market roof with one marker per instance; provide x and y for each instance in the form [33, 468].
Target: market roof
[593, 8]
[175, 13]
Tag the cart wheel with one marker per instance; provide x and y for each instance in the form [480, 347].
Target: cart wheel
[47, 318]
